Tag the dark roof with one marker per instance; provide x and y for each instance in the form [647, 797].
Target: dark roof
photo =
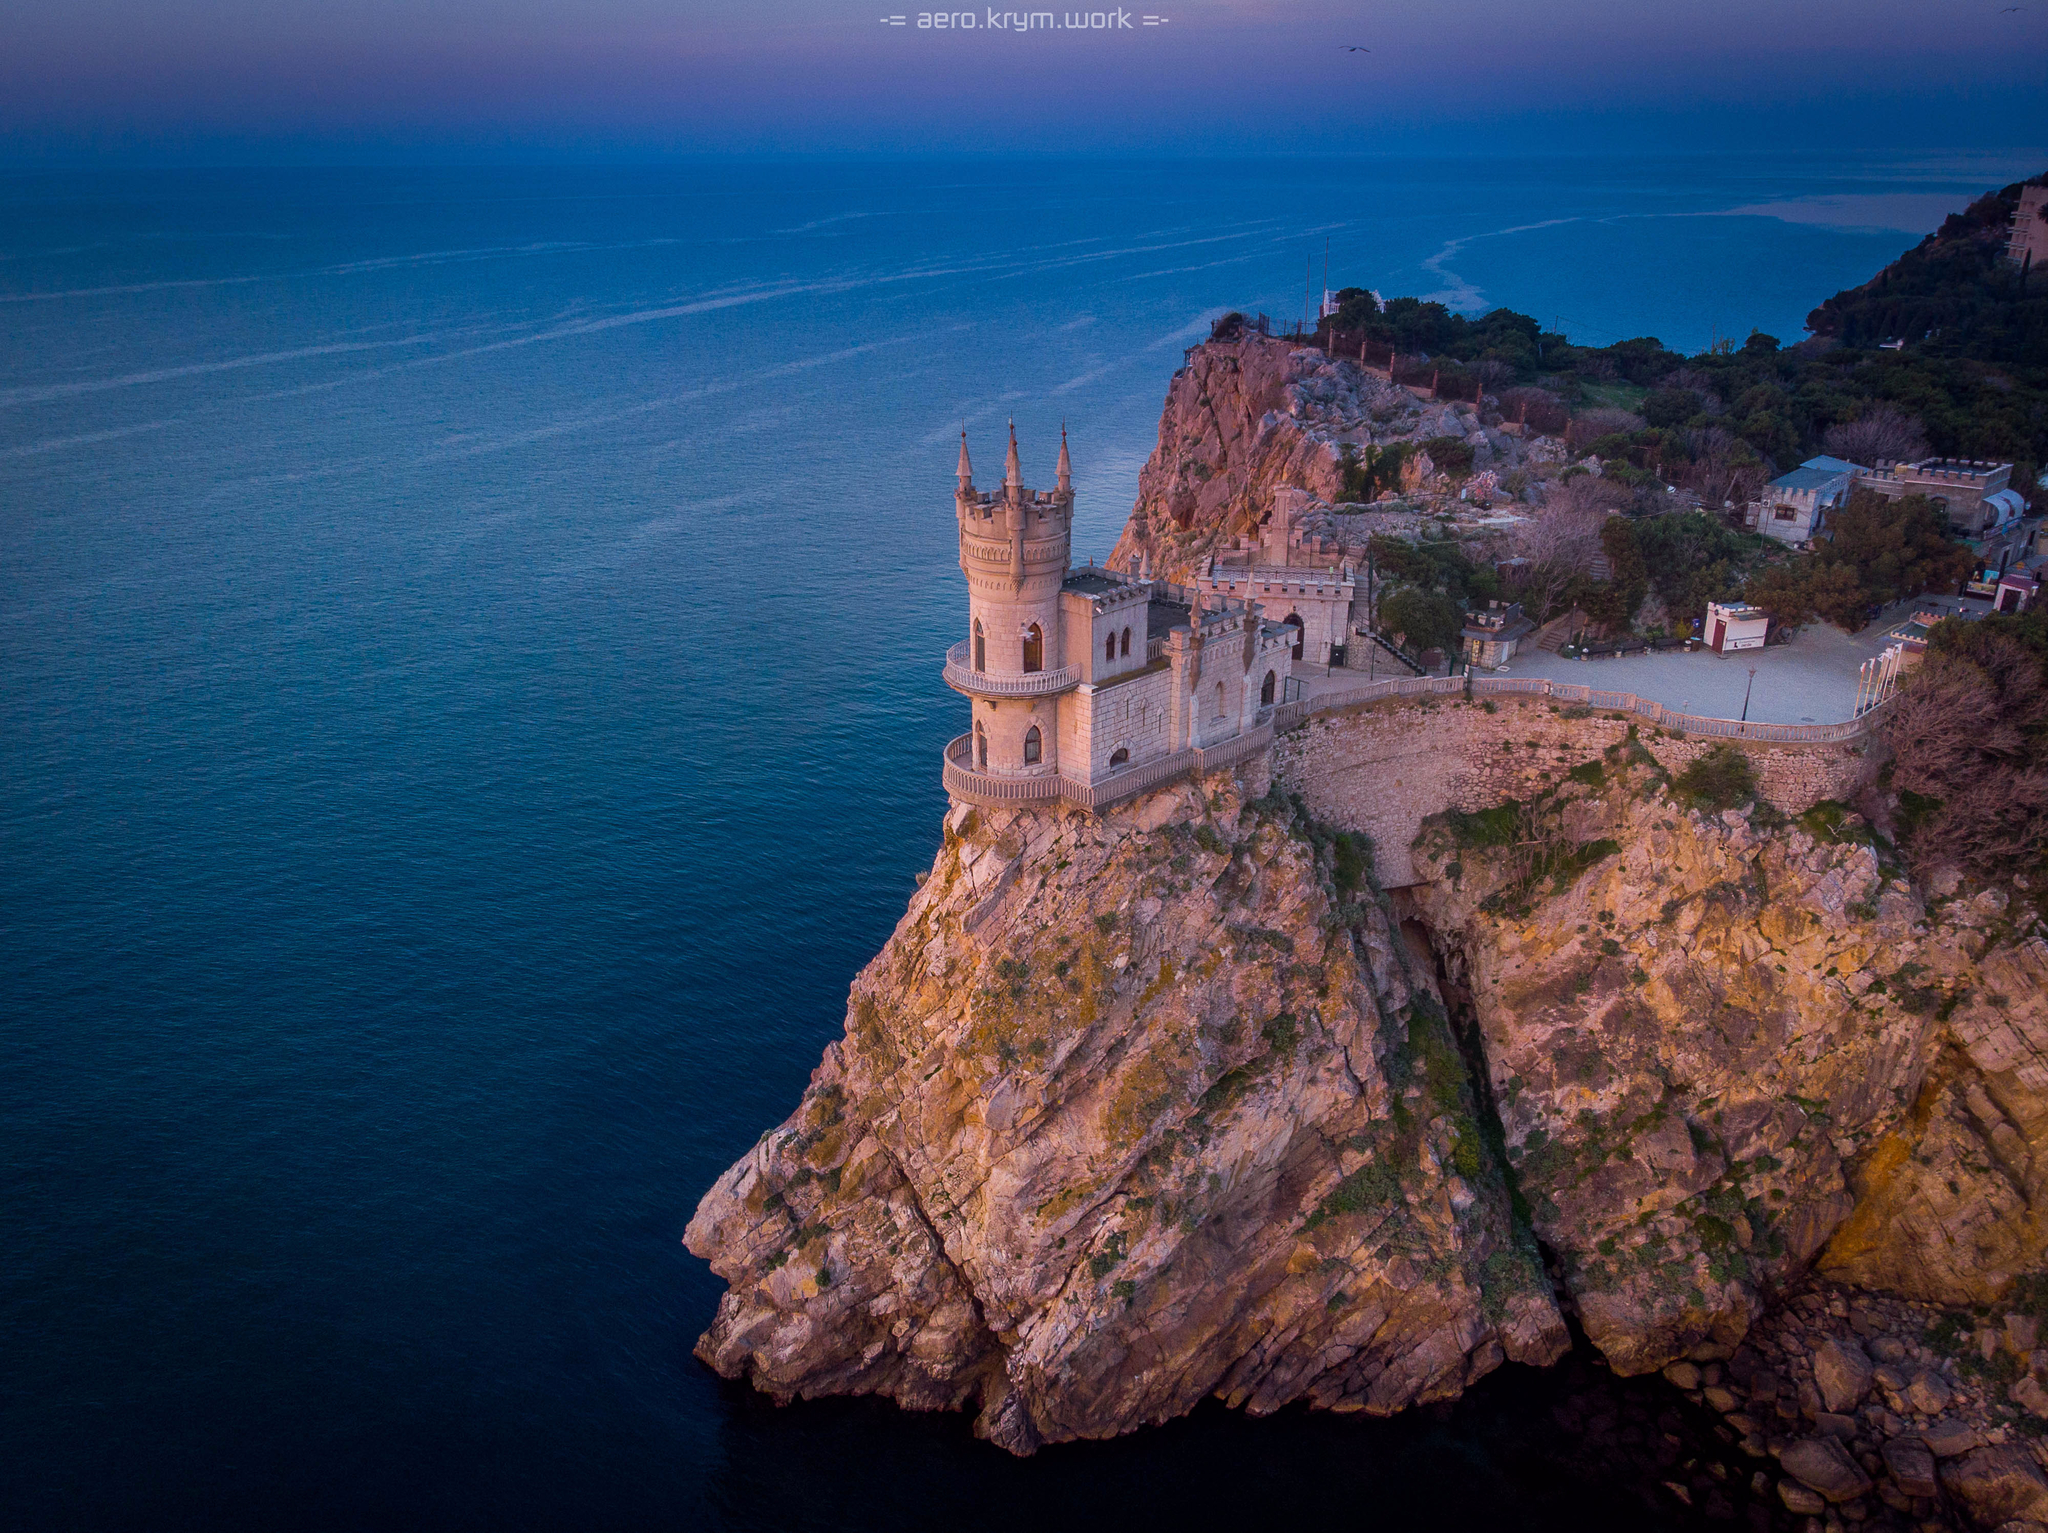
[1092, 582]
[1162, 617]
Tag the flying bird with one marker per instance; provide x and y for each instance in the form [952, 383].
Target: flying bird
[1368, 50]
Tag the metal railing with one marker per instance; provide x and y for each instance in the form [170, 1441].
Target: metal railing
[962, 675]
[1671, 719]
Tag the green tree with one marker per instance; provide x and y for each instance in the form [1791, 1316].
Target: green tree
[1430, 619]
[1613, 601]
[1369, 474]
[1691, 559]
[1897, 548]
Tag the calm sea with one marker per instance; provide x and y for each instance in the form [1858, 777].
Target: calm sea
[469, 702]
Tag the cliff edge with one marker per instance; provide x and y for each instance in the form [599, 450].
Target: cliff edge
[1130, 1111]
[1174, 1102]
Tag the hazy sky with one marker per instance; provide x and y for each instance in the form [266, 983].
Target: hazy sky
[292, 78]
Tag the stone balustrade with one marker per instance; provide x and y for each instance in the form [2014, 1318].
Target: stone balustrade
[963, 677]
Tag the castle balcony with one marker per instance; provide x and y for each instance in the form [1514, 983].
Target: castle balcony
[961, 676]
[989, 790]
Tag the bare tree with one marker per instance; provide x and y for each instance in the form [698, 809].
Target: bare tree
[1723, 467]
[1560, 539]
[1882, 434]
[1966, 731]
[1591, 425]
[1696, 382]
[1490, 371]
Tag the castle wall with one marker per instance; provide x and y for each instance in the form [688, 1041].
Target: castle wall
[1086, 630]
[1135, 715]
[1008, 720]
[1383, 768]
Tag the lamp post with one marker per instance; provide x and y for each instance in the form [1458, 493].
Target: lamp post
[1745, 694]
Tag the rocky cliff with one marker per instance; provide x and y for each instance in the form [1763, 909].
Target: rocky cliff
[1130, 1111]
[1172, 1102]
[1247, 416]
[1725, 1045]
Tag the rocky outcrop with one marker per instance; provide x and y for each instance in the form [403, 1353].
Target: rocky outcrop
[1171, 1102]
[1130, 1111]
[1245, 417]
[1727, 1045]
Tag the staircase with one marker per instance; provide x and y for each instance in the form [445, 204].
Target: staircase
[1550, 638]
[1386, 648]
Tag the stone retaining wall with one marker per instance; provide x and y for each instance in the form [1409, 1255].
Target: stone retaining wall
[1385, 767]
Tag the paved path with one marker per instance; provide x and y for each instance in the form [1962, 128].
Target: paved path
[1812, 680]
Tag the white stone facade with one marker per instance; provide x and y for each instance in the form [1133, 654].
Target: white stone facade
[1078, 679]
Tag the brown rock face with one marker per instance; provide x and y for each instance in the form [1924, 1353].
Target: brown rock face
[1998, 1485]
[1244, 417]
[1169, 1103]
[1724, 1045]
[1130, 1111]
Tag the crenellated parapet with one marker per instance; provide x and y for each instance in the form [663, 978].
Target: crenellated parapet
[1078, 677]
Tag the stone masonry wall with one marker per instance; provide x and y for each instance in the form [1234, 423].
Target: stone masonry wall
[1384, 767]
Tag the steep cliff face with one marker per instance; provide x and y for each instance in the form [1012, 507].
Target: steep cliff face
[1247, 416]
[1168, 1103]
[1130, 1111]
[1725, 1046]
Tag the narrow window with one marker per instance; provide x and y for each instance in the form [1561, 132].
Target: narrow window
[1127, 642]
[980, 747]
[1219, 699]
[1031, 746]
[1119, 758]
[1266, 691]
[1034, 648]
[1109, 648]
[980, 647]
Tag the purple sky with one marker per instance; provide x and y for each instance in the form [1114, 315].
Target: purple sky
[175, 77]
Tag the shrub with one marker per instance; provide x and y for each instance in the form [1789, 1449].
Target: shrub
[1452, 455]
[1721, 779]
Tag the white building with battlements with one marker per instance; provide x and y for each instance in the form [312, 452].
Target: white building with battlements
[1089, 685]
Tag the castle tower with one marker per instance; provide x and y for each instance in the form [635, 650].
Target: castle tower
[1014, 665]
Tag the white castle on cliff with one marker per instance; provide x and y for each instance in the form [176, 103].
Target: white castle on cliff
[1089, 685]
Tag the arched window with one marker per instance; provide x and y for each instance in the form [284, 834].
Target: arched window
[980, 647]
[1266, 691]
[1034, 648]
[1127, 642]
[1293, 620]
[1219, 699]
[980, 746]
[1109, 647]
[1033, 747]
[1119, 758]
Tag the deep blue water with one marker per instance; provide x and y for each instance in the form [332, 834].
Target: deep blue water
[469, 704]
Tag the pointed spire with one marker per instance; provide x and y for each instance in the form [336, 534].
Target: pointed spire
[1013, 472]
[1066, 463]
[966, 468]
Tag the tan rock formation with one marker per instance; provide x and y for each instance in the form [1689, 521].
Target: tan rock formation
[1725, 1045]
[1245, 417]
[1173, 1119]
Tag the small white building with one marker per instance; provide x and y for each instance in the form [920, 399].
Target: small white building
[1735, 625]
[1795, 506]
